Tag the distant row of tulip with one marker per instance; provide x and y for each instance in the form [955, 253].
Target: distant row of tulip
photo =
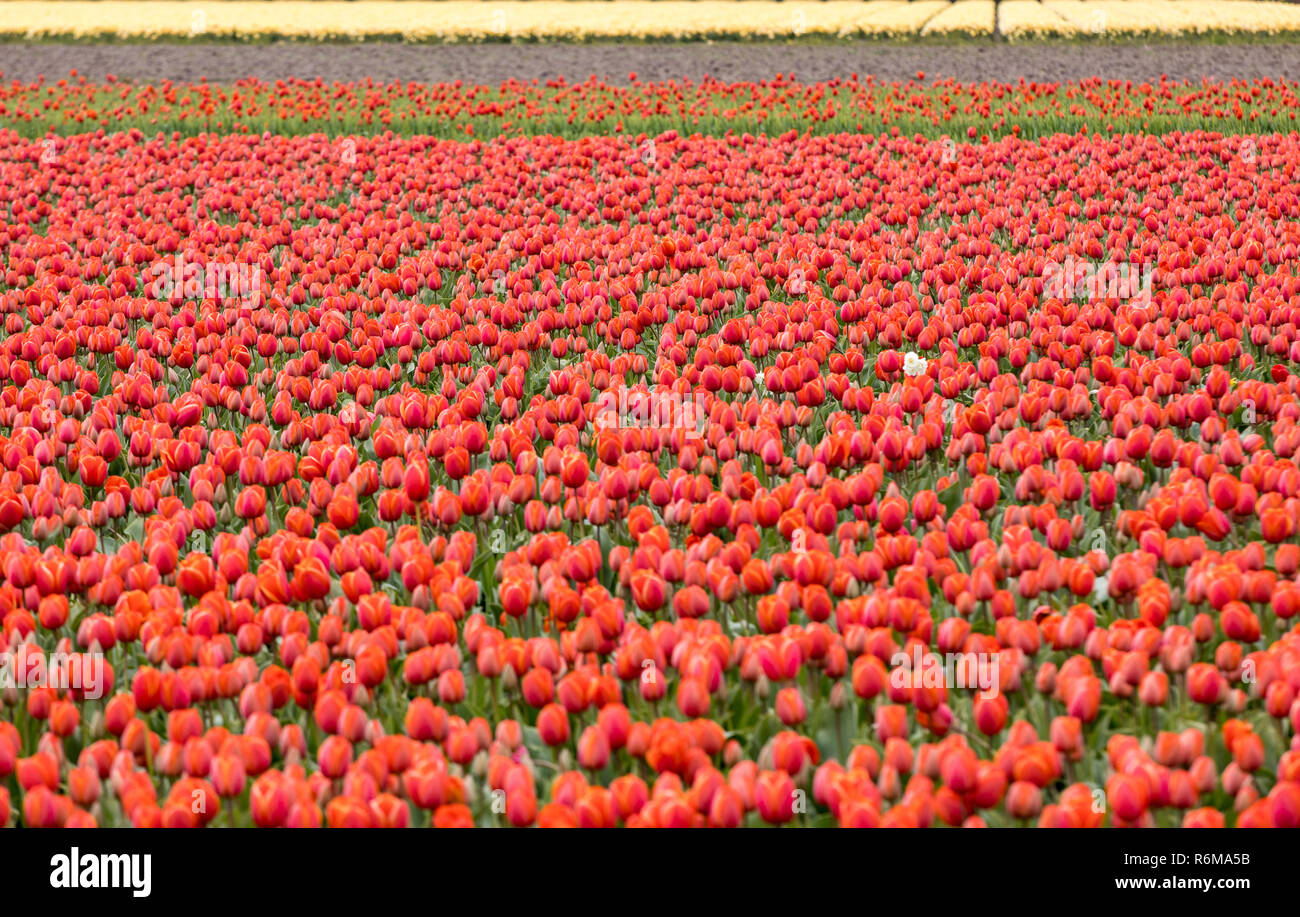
[455, 110]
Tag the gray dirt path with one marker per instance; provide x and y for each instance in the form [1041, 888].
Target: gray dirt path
[728, 61]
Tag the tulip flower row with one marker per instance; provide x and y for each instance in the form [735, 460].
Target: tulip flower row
[455, 110]
[649, 481]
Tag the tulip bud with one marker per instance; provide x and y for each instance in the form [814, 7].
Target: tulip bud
[1235, 701]
[1045, 679]
[509, 679]
[1246, 796]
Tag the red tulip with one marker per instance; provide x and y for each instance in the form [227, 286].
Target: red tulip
[553, 725]
[774, 797]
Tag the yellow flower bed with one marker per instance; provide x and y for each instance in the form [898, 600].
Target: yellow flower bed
[965, 17]
[558, 20]
[1176, 17]
[462, 20]
[1028, 19]
[906, 18]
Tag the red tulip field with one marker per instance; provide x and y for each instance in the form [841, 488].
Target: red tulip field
[654, 455]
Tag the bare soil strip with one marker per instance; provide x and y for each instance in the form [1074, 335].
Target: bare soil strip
[728, 61]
